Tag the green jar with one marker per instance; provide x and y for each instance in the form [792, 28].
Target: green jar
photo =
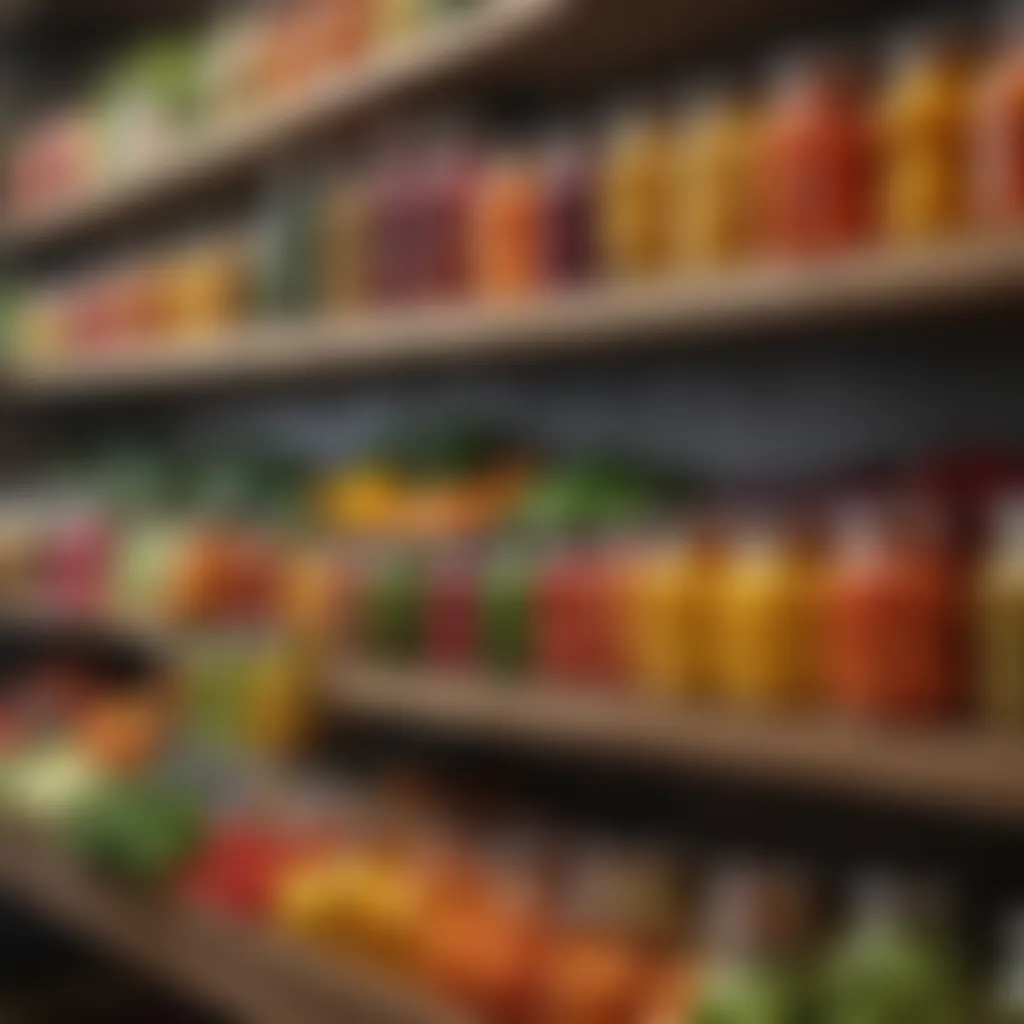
[395, 611]
[508, 610]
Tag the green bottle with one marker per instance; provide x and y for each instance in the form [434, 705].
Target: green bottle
[896, 964]
[508, 610]
[288, 284]
[396, 606]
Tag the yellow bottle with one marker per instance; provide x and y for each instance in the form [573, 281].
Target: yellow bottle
[999, 621]
[923, 120]
[711, 200]
[280, 700]
[345, 243]
[671, 617]
[636, 186]
[767, 630]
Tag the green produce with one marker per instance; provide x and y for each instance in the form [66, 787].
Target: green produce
[50, 784]
[138, 831]
[895, 965]
[588, 495]
[750, 994]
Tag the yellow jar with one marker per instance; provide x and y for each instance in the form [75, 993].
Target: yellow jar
[999, 622]
[636, 187]
[923, 124]
[767, 636]
[345, 244]
[211, 289]
[711, 202]
[670, 617]
[41, 330]
[280, 700]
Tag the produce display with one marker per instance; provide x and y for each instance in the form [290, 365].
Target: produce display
[507, 918]
[825, 160]
[167, 95]
[898, 605]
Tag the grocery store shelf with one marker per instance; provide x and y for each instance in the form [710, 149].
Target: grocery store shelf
[967, 774]
[251, 977]
[454, 48]
[752, 301]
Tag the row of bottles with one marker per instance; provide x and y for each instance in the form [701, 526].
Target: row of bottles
[884, 622]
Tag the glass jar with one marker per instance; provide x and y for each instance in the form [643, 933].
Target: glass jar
[997, 130]
[923, 114]
[814, 162]
[507, 228]
[892, 622]
[711, 200]
[636, 188]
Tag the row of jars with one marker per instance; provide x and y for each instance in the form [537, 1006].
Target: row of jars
[169, 92]
[189, 296]
[883, 622]
[818, 166]
[881, 619]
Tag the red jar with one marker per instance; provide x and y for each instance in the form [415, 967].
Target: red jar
[814, 162]
[453, 607]
[568, 215]
[579, 625]
[892, 623]
[997, 132]
[449, 188]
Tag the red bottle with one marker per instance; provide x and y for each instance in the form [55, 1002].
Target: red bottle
[568, 216]
[814, 162]
[892, 623]
[579, 621]
[997, 131]
[449, 189]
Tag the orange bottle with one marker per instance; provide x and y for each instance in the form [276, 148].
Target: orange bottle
[506, 228]
[713, 182]
[923, 120]
[670, 616]
[636, 188]
[814, 162]
[891, 622]
[767, 622]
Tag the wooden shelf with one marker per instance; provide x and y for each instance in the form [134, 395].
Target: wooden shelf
[460, 47]
[252, 977]
[694, 310]
[966, 774]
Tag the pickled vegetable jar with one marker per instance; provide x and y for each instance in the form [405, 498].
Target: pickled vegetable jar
[508, 610]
